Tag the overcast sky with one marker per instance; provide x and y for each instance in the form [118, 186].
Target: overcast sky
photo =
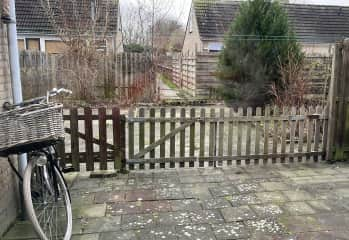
[181, 8]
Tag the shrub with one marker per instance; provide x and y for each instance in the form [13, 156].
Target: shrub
[257, 44]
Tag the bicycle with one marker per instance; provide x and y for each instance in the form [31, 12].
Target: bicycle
[35, 127]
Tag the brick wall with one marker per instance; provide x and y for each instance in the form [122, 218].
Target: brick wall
[8, 185]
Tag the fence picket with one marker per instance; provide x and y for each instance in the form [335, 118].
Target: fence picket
[141, 130]
[325, 130]
[310, 133]
[258, 133]
[117, 138]
[317, 129]
[102, 114]
[152, 132]
[239, 128]
[230, 133]
[182, 136]
[276, 130]
[221, 133]
[202, 132]
[192, 133]
[131, 134]
[292, 131]
[301, 133]
[89, 139]
[162, 133]
[212, 139]
[74, 126]
[266, 133]
[173, 138]
[248, 132]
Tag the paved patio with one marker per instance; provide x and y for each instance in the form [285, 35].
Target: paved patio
[275, 202]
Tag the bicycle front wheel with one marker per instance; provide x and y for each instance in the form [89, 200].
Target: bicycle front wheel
[47, 201]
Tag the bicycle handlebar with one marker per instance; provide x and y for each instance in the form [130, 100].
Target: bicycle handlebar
[54, 92]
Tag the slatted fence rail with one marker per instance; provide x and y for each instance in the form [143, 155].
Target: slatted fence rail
[199, 137]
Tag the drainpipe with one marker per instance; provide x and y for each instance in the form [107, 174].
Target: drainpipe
[15, 71]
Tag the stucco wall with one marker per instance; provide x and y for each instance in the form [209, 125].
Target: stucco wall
[8, 185]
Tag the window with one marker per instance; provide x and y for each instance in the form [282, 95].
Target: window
[33, 44]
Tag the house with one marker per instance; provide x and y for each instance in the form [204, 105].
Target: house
[317, 27]
[37, 29]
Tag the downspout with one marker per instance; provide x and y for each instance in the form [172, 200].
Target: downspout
[15, 71]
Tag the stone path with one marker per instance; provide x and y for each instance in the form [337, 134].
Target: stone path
[276, 203]
[167, 93]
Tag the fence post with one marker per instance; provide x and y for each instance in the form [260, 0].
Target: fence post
[332, 100]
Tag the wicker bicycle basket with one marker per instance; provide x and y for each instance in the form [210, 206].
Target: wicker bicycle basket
[31, 126]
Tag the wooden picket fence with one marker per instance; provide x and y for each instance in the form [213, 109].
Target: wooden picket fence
[153, 138]
[200, 137]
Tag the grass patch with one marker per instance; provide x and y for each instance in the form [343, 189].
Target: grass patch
[168, 81]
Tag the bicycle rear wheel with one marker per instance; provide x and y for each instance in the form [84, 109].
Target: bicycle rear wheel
[48, 205]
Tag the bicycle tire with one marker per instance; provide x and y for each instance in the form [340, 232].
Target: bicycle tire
[29, 205]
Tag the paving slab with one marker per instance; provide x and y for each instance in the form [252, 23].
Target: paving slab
[186, 205]
[225, 231]
[267, 211]
[195, 232]
[99, 225]
[283, 202]
[215, 203]
[206, 216]
[119, 235]
[86, 237]
[238, 214]
[90, 211]
[298, 208]
[140, 195]
[137, 221]
[179, 218]
[157, 233]
[271, 197]
[298, 195]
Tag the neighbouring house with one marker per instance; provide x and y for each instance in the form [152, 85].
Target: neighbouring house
[317, 27]
[8, 183]
[37, 29]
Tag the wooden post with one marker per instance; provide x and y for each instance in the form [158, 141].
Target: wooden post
[332, 100]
